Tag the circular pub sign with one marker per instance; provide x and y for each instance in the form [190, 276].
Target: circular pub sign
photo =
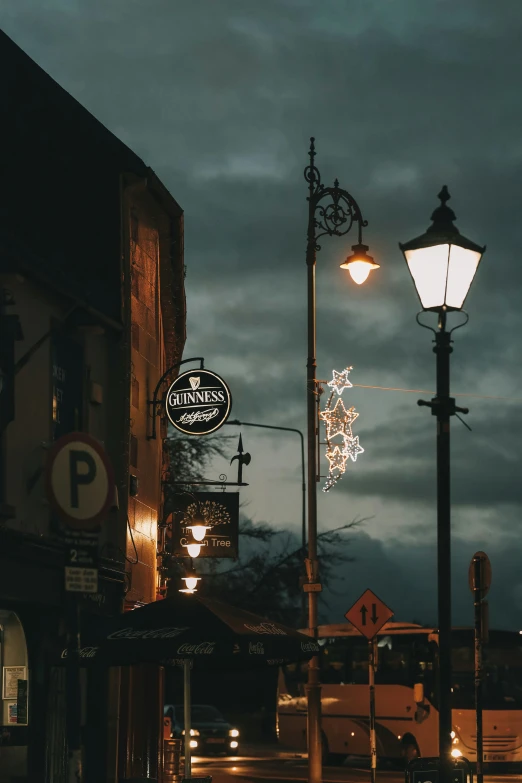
[198, 402]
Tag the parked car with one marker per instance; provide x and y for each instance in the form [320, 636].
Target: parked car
[210, 731]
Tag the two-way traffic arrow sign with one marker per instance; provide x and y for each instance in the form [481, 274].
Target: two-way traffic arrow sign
[369, 614]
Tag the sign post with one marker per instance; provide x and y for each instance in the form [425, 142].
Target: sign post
[368, 615]
[80, 489]
[479, 581]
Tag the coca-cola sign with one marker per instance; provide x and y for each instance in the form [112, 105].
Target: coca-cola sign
[198, 402]
[268, 629]
[203, 648]
[146, 633]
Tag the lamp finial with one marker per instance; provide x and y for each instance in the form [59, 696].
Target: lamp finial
[443, 216]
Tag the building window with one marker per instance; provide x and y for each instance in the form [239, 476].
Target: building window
[67, 385]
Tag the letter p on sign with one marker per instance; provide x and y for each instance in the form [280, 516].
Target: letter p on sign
[79, 481]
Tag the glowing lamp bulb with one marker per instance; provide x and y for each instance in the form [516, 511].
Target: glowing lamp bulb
[191, 582]
[193, 549]
[359, 271]
[198, 531]
[359, 264]
[456, 753]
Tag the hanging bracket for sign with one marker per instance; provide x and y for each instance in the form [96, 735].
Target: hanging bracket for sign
[153, 404]
[242, 459]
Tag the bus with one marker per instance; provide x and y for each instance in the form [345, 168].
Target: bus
[406, 695]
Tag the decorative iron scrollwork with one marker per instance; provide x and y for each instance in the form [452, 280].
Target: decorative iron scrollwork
[336, 217]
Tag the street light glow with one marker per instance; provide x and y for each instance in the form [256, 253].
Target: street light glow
[193, 549]
[359, 264]
[198, 531]
[441, 261]
[442, 274]
[191, 582]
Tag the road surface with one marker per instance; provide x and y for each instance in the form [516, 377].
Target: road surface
[261, 764]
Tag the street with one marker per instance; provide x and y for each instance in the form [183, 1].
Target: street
[263, 763]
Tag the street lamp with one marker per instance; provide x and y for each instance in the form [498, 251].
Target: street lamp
[442, 264]
[332, 211]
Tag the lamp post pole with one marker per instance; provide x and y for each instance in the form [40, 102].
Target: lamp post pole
[443, 264]
[443, 406]
[333, 218]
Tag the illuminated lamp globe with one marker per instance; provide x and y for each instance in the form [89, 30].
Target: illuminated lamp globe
[359, 264]
[191, 582]
[193, 549]
[198, 530]
[442, 262]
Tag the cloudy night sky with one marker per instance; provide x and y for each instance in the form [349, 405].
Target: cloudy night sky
[220, 98]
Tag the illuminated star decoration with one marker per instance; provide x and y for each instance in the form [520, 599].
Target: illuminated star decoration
[338, 421]
[337, 459]
[340, 381]
[352, 449]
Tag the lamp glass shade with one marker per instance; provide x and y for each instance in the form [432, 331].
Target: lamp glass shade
[359, 264]
[198, 531]
[191, 582]
[193, 550]
[442, 274]
[359, 271]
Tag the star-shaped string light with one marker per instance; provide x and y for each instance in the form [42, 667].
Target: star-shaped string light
[338, 421]
[340, 381]
[351, 448]
[337, 459]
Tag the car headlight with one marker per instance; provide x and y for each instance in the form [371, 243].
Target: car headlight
[233, 733]
[193, 744]
[234, 744]
[193, 733]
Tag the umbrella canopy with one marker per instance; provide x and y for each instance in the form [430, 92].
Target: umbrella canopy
[208, 632]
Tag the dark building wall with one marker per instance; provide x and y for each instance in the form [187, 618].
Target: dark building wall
[60, 174]
[65, 256]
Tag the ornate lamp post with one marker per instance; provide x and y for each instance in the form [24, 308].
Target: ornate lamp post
[442, 264]
[332, 211]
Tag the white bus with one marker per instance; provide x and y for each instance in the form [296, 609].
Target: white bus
[406, 695]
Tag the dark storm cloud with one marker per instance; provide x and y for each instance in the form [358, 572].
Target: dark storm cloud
[485, 462]
[403, 96]
[404, 577]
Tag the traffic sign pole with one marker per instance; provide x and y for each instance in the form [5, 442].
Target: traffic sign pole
[80, 488]
[369, 614]
[477, 566]
[479, 581]
[372, 656]
[73, 692]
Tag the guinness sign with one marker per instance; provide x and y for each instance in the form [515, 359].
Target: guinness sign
[198, 402]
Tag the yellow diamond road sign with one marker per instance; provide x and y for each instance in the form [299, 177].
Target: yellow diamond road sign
[369, 614]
